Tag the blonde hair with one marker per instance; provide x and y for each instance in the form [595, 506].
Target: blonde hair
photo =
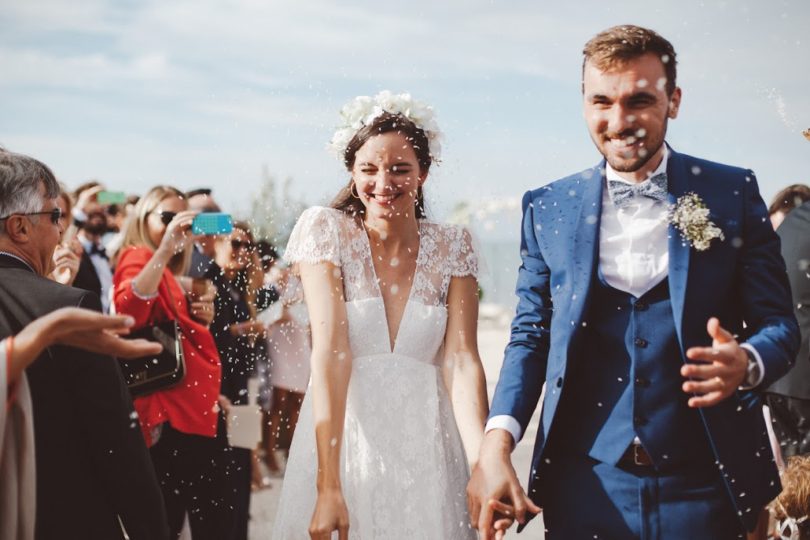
[794, 501]
[137, 233]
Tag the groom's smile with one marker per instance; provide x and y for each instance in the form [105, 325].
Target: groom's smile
[627, 107]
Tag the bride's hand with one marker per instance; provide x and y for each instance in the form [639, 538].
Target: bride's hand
[330, 514]
[494, 486]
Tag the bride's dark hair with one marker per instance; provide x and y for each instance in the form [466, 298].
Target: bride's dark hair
[345, 200]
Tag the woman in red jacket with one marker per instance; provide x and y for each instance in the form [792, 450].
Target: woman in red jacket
[180, 423]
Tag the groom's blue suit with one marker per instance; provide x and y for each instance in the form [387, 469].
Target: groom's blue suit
[611, 361]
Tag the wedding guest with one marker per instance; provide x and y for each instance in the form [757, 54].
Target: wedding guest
[67, 256]
[791, 508]
[119, 216]
[93, 472]
[95, 273]
[73, 327]
[241, 294]
[179, 423]
[789, 397]
[786, 200]
[289, 343]
[268, 257]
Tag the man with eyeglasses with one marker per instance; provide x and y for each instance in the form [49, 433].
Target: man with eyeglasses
[93, 471]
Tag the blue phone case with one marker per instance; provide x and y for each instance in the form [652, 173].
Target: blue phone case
[212, 223]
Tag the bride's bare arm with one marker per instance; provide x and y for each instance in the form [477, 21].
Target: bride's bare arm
[331, 369]
[469, 388]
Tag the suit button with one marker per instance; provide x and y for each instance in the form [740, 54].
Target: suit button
[641, 306]
[559, 382]
[642, 382]
[640, 343]
[639, 421]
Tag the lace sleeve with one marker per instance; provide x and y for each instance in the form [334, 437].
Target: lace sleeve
[314, 238]
[463, 256]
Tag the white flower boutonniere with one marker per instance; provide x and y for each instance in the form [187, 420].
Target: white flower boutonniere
[691, 216]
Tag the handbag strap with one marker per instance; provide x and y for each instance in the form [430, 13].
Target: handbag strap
[171, 298]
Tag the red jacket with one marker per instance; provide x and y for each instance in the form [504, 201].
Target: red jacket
[191, 406]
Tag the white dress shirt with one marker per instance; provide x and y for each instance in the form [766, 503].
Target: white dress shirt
[103, 271]
[633, 256]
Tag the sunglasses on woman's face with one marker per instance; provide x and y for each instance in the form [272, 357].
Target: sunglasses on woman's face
[166, 217]
[56, 215]
[236, 245]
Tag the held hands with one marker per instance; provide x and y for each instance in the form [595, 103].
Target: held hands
[330, 515]
[494, 495]
[721, 371]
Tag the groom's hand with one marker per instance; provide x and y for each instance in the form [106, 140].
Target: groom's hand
[494, 491]
[721, 372]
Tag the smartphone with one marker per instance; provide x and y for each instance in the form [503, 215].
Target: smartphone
[111, 197]
[212, 223]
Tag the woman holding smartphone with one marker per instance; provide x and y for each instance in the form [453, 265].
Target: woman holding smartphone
[180, 423]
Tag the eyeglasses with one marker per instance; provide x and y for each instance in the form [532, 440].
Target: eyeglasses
[56, 215]
[236, 245]
[166, 217]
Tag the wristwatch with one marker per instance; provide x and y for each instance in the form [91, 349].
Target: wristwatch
[753, 372]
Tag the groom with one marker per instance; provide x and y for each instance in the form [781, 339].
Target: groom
[653, 338]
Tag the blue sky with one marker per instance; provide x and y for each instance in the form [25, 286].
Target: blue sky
[204, 93]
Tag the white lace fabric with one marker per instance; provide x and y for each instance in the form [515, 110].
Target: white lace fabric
[404, 472]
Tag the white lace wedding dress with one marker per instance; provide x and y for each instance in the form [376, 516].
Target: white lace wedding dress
[404, 471]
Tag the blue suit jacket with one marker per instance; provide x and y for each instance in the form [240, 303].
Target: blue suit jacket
[740, 280]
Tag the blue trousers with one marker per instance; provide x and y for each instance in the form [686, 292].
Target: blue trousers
[587, 499]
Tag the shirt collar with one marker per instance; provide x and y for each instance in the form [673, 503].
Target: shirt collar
[611, 174]
[87, 244]
[6, 253]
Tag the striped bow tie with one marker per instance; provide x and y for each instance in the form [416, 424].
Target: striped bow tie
[622, 193]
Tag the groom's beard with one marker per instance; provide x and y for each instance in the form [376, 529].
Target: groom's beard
[637, 157]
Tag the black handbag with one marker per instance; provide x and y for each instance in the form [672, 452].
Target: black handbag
[147, 374]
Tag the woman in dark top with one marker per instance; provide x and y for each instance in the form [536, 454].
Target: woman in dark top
[238, 277]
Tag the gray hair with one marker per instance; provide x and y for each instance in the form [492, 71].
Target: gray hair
[20, 178]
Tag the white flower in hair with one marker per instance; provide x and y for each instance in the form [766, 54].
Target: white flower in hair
[363, 110]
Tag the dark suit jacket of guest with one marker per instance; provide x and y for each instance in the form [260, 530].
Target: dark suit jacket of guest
[86, 277]
[795, 235]
[92, 465]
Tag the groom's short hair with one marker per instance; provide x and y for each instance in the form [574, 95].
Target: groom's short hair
[618, 45]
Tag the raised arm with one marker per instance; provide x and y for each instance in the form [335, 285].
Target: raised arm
[331, 369]
[175, 239]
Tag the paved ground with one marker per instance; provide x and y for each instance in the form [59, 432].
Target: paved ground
[492, 338]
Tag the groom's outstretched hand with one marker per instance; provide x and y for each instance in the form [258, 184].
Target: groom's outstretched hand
[494, 495]
[721, 369]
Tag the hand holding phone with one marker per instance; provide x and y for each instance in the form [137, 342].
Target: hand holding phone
[111, 197]
[211, 223]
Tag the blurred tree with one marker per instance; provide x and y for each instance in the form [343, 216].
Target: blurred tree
[274, 209]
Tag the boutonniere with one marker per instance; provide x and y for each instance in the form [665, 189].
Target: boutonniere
[691, 216]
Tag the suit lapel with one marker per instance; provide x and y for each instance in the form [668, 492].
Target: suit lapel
[586, 240]
[679, 249]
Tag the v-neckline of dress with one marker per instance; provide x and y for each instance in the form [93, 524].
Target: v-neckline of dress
[391, 345]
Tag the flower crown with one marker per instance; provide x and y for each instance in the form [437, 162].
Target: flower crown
[363, 110]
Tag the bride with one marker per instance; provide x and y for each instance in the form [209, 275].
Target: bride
[397, 383]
